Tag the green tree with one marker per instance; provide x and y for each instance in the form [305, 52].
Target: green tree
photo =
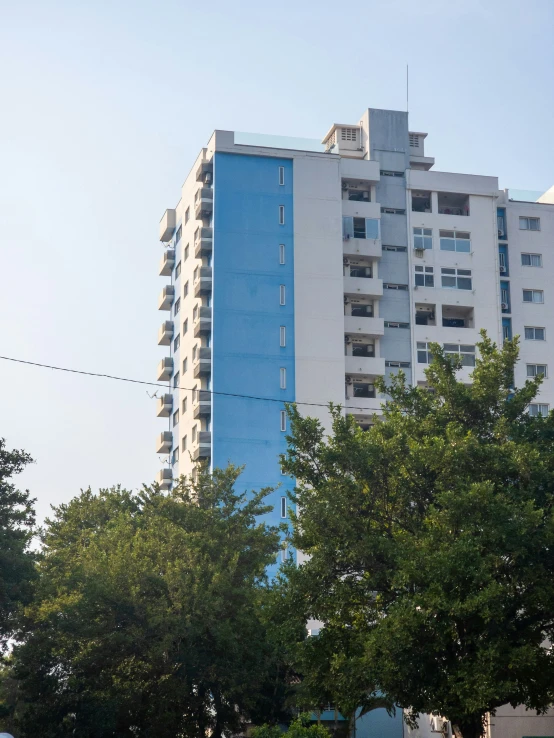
[301, 727]
[430, 542]
[148, 617]
[17, 519]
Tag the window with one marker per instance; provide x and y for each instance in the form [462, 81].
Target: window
[401, 249]
[455, 241]
[185, 326]
[389, 324]
[194, 352]
[363, 389]
[184, 405]
[281, 294]
[536, 409]
[424, 355]
[393, 286]
[283, 552]
[414, 140]
[186, 253]
[389, 173]
[424, 276]
[187, 215]
[283, 421]
[186, 289]
[534, 334]
[175, 418]
[349, 134]
[465, 353]
[361, 310]
[507, 331]
[283, 507]
[177, 306]
[536, 370]
[177, 270]
[281, 253]
[398, 364]
[176, 378]
[423, 238]
[195, 275]
[529, 224]
[281, 175]
[394, 211]
[501, 224]
[458, 279]
[176, 342]
[502, 261]
[282, 378]
[185, 365]
[361, 349]
[533, 296]
[531, 260]
[281, 215]
[193, 434]
[175, 455]
[282, 336]
[195, 313]
[359, 227]
[178, 235]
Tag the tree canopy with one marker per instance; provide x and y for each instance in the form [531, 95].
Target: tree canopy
[17, 519]
[148, 617]
[430, 546]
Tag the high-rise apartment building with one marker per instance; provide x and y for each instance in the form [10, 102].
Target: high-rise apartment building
[299, 271]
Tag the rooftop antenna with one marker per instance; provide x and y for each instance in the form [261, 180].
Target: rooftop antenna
[407, 89]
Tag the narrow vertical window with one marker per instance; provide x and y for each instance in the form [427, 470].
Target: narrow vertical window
[184, 443]
[284, 552]
[281, 294]
[283, 420]
[281, 215]
[282, 378]
[282, 336]
[281, 253]
[281, 175]
[193, 434]
[185, 365]
[283, 507]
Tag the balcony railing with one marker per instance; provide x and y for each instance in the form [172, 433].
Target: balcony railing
[165, 334]
[203, 281]
[203, 242]
[165, 369]
[166, 298]
[203, 363]
[202, 449]
[165, 477]
[202, 403]
[203, 321]
[203, 203]
[167, 263]
[164, 406]
[164, 442]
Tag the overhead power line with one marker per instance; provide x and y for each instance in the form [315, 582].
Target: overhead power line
[185, 389]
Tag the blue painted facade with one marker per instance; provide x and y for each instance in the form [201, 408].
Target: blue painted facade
[247, 317]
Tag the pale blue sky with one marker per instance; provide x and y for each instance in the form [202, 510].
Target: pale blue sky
[105, 105]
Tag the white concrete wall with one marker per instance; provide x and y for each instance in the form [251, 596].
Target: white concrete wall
[318, 283]
[540, 278]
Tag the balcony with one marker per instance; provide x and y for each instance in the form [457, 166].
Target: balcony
[202, 403]
[164, 406]
[205, 171]
[362, 405]
[165, 369]
[167, 225]
[203, 242]
[364, 365]
[203, 203]
[362, 247]
[166, 298]
[164, 478]
[366, 286]
[167, 263]
[202, 281]
[203, 321]
[165, 334]
[371, 327]
[203, 446]
[453, 203]
[164, 442]
[203, 363]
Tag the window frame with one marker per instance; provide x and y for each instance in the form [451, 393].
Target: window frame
[531, 255]
[456, 276]
[282, 253]
[175, 418]
[536, 373]
[534, 328]
[282, 295]
[538, 405]
[282, 336]
[424, 272]
[283, 507]
[283, 378]
[425, 238]
[455, 239]
[281, 176]
[529, 219]
[283, 421]
[281, 215]
[533, 292]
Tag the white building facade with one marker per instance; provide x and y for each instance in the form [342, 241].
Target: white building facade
[300, 272]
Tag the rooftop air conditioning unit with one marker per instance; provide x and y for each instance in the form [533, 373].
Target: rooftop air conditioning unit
[502, 269]
[504, 305]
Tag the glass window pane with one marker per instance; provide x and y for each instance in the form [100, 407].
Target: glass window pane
[347, 227]
[444, 270]
[428, 232]
[422, 357]
[419, 278]
[418, 242]
[463, 246]
[467, 349]
[464, 283]
[448, 281]
[372, 228]
[527, 296]
[446, 234]
[468, 360]
[451, 347]
[447, 244]
[539, 334]
[429, 280]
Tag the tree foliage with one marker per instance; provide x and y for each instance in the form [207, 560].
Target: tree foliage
[17, 519]
[430, 543]
[148, 616]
